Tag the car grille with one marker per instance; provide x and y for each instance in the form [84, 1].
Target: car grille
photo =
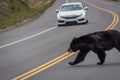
[70, 17]
[81, 19]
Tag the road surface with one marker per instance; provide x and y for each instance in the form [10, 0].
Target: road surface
[26, 52]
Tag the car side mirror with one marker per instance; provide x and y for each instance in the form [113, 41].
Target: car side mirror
[85, 8]
[57, 11]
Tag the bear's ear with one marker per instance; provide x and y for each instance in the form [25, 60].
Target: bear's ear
[74, 38]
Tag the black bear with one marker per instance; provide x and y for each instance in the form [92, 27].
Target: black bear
[98, 42]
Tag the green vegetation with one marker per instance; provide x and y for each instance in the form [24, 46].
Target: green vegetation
[15, 11]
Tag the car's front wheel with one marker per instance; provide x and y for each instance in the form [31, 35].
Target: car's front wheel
[60, 25]
[85, 22]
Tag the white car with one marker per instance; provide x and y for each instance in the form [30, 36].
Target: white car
[72, 12]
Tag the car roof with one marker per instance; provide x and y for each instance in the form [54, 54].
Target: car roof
[71, 3]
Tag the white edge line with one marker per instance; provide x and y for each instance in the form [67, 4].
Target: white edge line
[27, 37]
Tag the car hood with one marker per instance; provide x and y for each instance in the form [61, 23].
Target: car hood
[71, 13]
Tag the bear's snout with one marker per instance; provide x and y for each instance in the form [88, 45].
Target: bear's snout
[70, 50]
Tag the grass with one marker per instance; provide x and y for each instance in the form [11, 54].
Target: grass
[18, 11]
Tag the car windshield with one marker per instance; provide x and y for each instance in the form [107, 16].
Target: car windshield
[71, 7]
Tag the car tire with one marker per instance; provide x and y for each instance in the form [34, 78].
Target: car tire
[85, 22]
[59, 25]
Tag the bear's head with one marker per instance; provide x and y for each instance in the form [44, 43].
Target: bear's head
[79, 44]
[74, 45]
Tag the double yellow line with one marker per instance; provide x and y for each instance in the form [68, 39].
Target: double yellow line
[65, 55]
[43, 67]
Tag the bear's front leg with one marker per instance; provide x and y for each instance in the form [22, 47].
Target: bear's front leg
[73, 63]
[80, 57]
[77, 60]
[101, 56]
[100, 63]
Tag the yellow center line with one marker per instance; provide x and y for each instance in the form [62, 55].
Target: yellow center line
[65, 55]
[39, 67]
[57, 61]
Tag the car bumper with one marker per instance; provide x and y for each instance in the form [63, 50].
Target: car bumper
[77, 20]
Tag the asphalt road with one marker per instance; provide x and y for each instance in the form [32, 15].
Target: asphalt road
[28, 47]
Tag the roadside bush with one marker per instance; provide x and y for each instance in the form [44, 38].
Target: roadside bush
[13, 12]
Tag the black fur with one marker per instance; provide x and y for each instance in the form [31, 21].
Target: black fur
[98, 42]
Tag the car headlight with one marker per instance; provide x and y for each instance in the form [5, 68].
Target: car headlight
[82, 15]
[59, 17]
[79, 15]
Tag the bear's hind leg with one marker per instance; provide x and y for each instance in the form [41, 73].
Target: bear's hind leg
[117, 44]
